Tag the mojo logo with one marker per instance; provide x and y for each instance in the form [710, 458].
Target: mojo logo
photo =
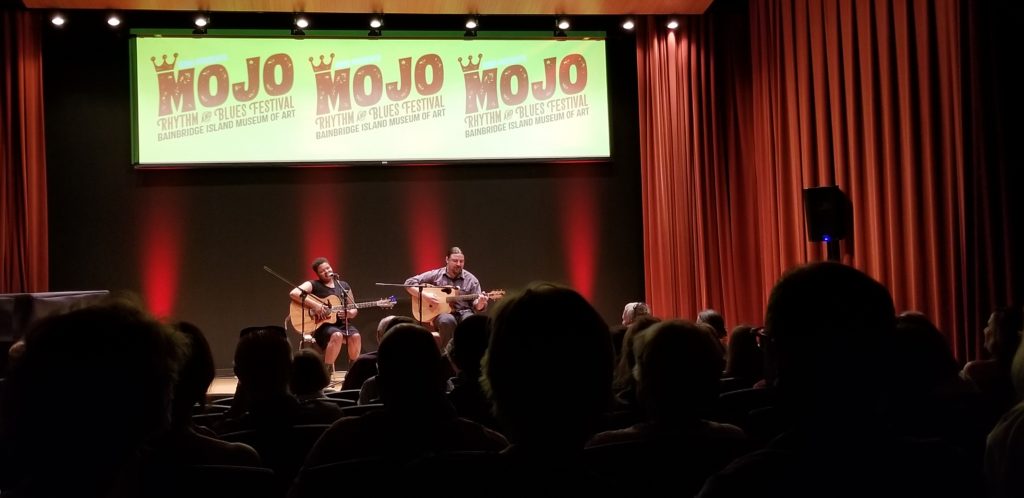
[335, 90]
[178, 89]
[482, 89]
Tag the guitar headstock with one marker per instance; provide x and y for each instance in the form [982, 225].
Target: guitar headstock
[389, 302]
[495, 294]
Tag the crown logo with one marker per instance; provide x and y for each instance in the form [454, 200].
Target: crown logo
[166, 66]
[323, 66]
[470, 66]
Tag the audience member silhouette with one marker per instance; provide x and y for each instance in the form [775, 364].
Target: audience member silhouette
[926, 396]
[182, 444]
[716, 321]
[744, 360]
[634, 310]
[1004, 452]
[85, 440]
[623, 382]
[365, 365]
[548, 410]
[416, 418]
[263, 362]
[469, 343]
[992, 375]
[310, 375]
[675, 447]
[829, 328]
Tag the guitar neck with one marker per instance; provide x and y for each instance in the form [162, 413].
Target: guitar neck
[353, 306]
[462, 297]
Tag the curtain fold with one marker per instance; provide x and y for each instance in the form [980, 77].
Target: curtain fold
[23, 215]
[873, 96]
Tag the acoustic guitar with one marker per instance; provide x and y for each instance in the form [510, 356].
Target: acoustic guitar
[431, 309]
[304, 319]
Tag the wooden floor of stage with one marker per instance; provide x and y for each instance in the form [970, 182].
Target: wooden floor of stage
[224, 383]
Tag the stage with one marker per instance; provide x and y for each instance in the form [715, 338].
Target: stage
[224, 383]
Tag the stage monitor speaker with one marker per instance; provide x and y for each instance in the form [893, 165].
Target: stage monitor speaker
[828, 213]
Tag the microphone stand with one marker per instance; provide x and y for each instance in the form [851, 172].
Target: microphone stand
[302, 303]
[346, 301]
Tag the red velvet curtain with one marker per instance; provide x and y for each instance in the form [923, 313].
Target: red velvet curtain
[23, 227]
[872, 96]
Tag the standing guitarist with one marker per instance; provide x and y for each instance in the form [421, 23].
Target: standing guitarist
[459, 281]
[329, 336]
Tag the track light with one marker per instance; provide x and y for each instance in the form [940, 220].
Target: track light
[57, 20]
[201, 22]
[375, 25]
[471, 25]
[561, 24]
[300, 25]
[114, 21]
[672, 24]
[628, 24]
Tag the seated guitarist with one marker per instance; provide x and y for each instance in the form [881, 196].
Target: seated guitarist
[330, 336]
[452, 274]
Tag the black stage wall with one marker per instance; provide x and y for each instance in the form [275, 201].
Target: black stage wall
[192, 243]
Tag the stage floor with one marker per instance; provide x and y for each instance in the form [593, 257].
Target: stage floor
[224, 384]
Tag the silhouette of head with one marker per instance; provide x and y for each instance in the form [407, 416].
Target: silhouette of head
[409, 367]
[635, 310]
[107, 351]
[309, 373]
[678, 368]
[559, 402]
[197, 372]
[390, 321]
[744, 358]
[469, 342]
[263, 361]
[828, 326]
[715, 320]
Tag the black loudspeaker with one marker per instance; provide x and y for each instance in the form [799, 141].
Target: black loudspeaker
[828, 213]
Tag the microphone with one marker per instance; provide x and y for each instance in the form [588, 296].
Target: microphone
[335, 275]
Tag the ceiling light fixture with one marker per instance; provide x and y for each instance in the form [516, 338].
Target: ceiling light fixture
[375, 25]
[299, 26]
[201, 22]
[561, 24]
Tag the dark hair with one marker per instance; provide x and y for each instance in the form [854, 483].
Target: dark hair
[264, 329]
[113, 348]
[197, 372]
[453, 250]
[392, 322]
[679, 366]
[263, 358]
[576, 376]
[469, 342]
[715, 320]
[409, 372]
[1009, 320]
[828, 326]
[744, 358]
[317, 262]
[623, 380]
[309, 373]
